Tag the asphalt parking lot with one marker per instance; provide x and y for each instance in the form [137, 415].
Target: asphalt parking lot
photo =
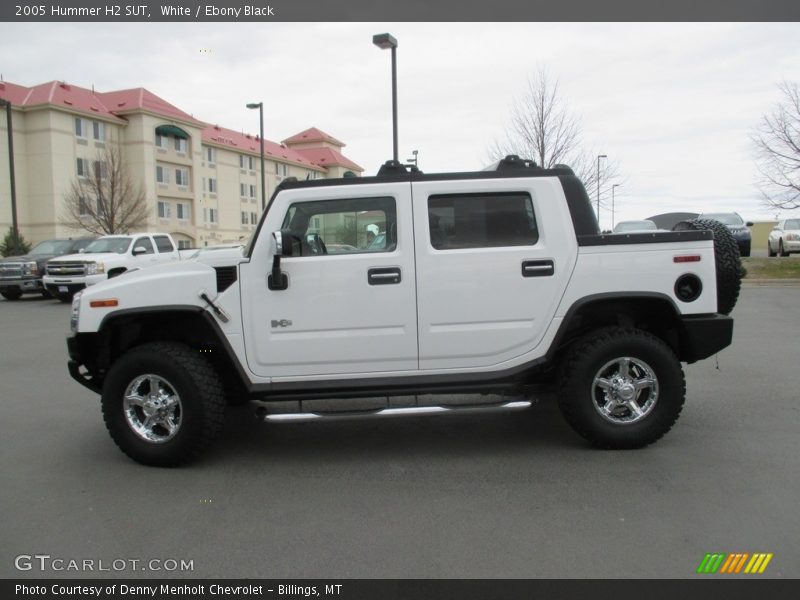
[506, 494]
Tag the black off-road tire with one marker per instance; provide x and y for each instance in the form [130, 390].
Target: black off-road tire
[11, 294]
[728, 261]
[577, 395]
[65, 298]
[770, 252]
[781, 251]
[201, 395]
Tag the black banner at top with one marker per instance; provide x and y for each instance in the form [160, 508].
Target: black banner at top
[397, 10]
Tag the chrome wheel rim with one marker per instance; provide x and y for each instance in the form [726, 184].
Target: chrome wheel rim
[152, 408]
[624, 390]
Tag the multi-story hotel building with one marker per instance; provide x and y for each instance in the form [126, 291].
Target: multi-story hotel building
[202, 182]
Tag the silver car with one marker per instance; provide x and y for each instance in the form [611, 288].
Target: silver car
[784, 238]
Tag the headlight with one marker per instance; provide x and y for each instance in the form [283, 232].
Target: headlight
[76, 312]
[30, 268]
[93, 268]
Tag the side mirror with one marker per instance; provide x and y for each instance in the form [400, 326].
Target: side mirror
[139, 250]
[749, 223]
[281, 246]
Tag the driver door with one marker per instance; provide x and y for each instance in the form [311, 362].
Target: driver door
[350, 305]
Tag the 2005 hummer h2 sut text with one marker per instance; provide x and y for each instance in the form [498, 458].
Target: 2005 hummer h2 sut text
[410, 283]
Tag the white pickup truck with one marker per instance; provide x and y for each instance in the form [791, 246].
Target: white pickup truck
[105, 258]
[495, 282]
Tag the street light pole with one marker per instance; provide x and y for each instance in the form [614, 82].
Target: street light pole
[599, 156]
[384, 41]
[14, 226]
[260, 107]
[613, 187]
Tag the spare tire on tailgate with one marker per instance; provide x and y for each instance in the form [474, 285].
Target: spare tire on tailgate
[729, 264]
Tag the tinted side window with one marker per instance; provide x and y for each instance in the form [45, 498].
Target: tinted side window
[347, 226]
[163, 244]
[481, 220]
[145, 243]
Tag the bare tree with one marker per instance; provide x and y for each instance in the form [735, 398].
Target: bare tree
[542, 128]
[103, 199]
[777, 144]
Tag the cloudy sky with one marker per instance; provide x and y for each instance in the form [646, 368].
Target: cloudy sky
[672, 104]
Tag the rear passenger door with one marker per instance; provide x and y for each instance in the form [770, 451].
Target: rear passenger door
[493, 258]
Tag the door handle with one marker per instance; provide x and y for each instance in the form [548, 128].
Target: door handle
[383, 276]
[538, 268]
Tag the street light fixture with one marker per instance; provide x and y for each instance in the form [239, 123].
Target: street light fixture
[613, 187]
[599, 156]
[260, 107]
[385, 41]
[14, 226]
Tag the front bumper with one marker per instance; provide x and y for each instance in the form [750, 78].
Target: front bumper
[704, 335]
[71, 285]
[23, 285]
[74, 366]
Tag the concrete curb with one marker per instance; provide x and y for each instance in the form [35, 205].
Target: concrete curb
[771, 282]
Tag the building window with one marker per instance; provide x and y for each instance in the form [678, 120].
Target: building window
[81, 128]
[253, 218]
[244, 218]
[182, 210]
[251, 162]
[212, 185]
[161, 140]
[180, 144]
[83, 167]
[243, 189]
[101, 209]
[100, 169]
[162, 174]
[252, 191]
[241, 161]
[83, 207]
[184, 245]
[211, 154]
[99, 131]
[164, 211]
[212, 215]
[182, 177]
[285, 170]
[481, 221]
[277, 169]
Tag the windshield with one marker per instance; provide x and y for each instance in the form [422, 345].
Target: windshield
[634, 226]
[725, 218]
[112, 244]
[792, 224]
[52, 247]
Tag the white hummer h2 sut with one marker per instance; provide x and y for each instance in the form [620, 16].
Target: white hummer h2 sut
[410, 283]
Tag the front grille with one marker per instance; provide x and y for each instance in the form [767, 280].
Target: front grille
[64, 268]
[225, 277]
[10, 271]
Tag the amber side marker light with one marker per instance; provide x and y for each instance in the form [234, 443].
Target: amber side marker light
[688, 258]
[103, 303]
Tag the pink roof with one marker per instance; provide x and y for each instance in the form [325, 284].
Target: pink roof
[328, 157]
[58, 93]
[312, 135]
[244, 142]
[122, 101]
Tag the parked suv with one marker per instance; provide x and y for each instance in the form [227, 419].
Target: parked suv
[491, 282]
[107, 257]
[737, 226]
[23, 274]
